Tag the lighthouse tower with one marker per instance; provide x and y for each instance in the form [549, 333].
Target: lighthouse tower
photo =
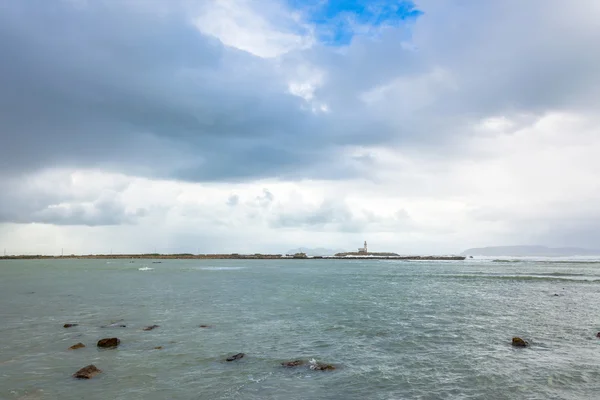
[363, 249]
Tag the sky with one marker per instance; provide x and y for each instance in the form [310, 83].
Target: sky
[208, 126]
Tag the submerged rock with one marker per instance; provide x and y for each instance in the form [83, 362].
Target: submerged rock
[87, 372]
[205, 326]
[108, 342]
[235, 357]
[69, 325]
[149, 328]
[295, 363]
[322, 367]
[518, 342]
[77, 346]
[317, 366]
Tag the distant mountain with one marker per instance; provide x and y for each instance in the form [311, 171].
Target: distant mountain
[315, 252]
[532, 251]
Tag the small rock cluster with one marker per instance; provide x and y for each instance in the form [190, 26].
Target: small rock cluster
[149, 328]
[91, 370]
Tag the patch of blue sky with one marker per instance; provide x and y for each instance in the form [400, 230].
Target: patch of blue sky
[338, 21]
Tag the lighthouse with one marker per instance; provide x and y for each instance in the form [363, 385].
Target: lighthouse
[363, 249]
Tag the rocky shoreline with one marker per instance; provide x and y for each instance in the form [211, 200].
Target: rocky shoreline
[374, 256]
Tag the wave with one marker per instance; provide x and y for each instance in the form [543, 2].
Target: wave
[145, 269]
[531, 277]
[221, 268]
[585, 262]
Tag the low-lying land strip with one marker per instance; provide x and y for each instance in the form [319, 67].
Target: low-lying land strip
[185, 256]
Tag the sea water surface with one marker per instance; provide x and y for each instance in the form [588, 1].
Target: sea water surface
[393, 329]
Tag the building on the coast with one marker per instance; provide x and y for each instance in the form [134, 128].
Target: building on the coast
[363, 249]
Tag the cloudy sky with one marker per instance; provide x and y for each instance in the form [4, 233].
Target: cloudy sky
[264, 125]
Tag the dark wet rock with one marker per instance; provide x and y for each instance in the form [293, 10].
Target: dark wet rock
[556, 294]
[205, 326]
[295, 363]
[77, 346]
[598, 335]
[69, 325]
[518, 342]
[108, 342]
[236, 357]
[322, 367]
[87, 372]
[158, 348]
[149, 328]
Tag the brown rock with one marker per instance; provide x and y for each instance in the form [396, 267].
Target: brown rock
[109, 342]
[77, 346]
[149, 328]
[295, 363]
[158, 348]
[236, 357]
[87, 372]
[69, 325]
[518, 342]
[322, 367]
[204, 326]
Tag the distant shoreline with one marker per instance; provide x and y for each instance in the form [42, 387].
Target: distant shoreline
[234, 256]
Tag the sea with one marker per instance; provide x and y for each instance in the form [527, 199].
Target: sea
[392, 329]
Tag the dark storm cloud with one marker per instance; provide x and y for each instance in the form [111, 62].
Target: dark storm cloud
[114, 85]
[98, 86]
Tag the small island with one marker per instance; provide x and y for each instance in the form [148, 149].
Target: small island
[361, 254]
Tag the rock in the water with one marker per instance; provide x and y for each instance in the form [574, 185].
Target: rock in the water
[77, 346]
[149, 328]
[69, 325]
[87, 372]
[158, 348]
[236, 357]
[295, 363]
[518, 342]
[322, 367]
[204, 326]
[598, 335]
[109, 342]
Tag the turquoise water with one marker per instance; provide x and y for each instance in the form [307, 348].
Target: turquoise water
[394, 329]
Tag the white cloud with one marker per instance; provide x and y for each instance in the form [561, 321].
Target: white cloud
[264, 28]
